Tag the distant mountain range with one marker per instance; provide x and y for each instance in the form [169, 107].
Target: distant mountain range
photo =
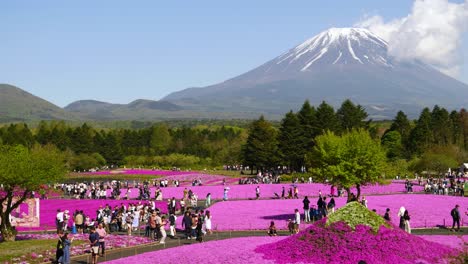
[337, 64]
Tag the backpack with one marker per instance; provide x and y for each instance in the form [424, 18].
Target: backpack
[453, 213]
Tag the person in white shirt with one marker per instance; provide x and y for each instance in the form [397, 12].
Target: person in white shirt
[297, 220]
[59, 220]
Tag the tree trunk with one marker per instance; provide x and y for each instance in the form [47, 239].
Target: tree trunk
[8, 231]
[348, 193]
[358, 189]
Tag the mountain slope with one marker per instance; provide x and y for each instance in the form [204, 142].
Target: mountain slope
[336, 64]
[137, 110]
[19, 105]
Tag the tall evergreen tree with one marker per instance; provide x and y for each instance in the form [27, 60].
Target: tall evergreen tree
[421, 136]
[441, 126]
[260, 150]
[402, 125]
[326, 118]
[456, 135]
[351, 116]
[290, 142]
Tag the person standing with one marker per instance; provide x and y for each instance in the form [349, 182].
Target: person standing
[172, 225]
[208, 222]
[306, 207]
[272, 229]
[79, 220]
[93, 242]
[225, 194]
[59, 220]
[297, 221]
[65, 258]
[187, 224]
[282, 192]
[387, 215]
[455, 213]
[401, 213]
[331, 205]
[257, 192]
[59, 251]
[406, 218]
[162, 230]
[208, 200]
[102, 235]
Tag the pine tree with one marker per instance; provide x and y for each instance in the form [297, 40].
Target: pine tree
[351, 116]
[290, 143]
[260, 150]
[327, 119]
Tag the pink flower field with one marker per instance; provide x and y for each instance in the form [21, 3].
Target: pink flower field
[268, 190]
[425, 210]
[241, 250]
[48, 209]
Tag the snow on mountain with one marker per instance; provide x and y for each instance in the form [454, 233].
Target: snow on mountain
[352, 45]
[334, 65]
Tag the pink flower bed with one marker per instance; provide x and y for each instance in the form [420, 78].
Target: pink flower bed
[338, 243]
[48, 209]
[241, 250]
[425, 210]
[267, 190]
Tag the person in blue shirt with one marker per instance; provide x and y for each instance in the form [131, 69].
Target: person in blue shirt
[94, 243]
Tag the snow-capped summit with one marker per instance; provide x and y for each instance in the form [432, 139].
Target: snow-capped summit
[334, 65]
[337, 46]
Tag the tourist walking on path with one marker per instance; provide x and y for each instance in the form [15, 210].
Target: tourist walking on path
[455, 213]
[172, 225]
[208, 223]
[208, 200]
[162, 230]
[306, 207]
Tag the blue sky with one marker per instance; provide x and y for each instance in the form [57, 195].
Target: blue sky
[119, 51]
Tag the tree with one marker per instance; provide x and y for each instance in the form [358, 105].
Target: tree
[402, 125]
[353, 159]
[290, 142]
[391, 141]
[420, 138]
[441, 126]
[351, 116]
[160, 139]
[23, 171]
[260, 150]
[326, 118]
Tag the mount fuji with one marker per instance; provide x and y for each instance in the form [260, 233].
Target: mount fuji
[337, 64]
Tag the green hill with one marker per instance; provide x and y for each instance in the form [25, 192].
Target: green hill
[17, 105]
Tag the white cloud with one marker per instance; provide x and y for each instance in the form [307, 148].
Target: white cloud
[431, 33]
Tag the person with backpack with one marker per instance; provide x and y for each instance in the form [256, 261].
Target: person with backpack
[59, 250]
[455, 213]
